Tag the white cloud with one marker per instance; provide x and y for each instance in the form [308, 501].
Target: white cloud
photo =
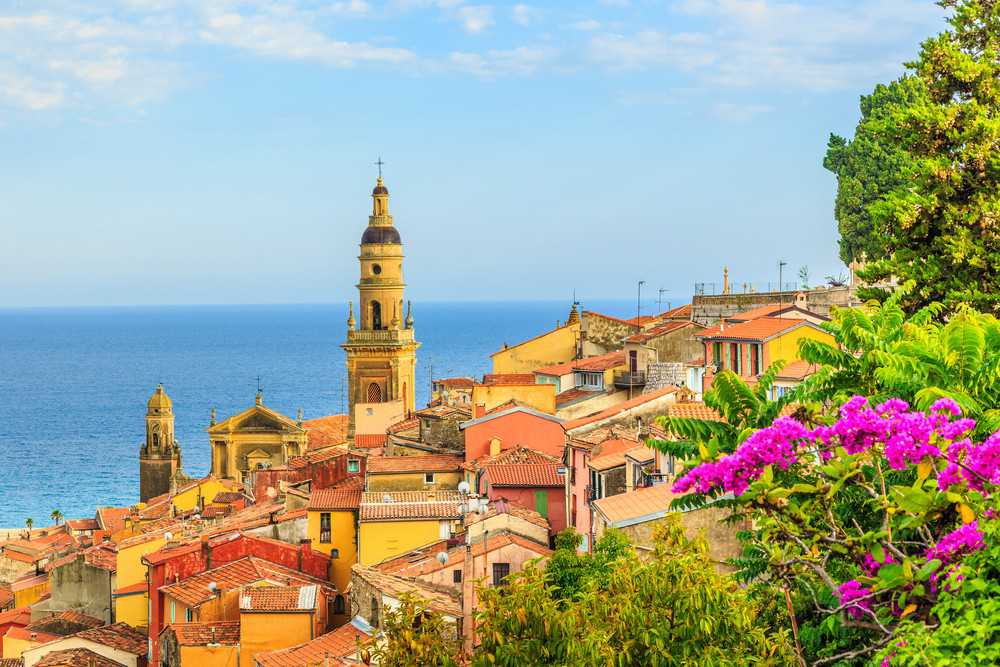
[475, 18]
[525, 15]
[586, 25]
[492, 64]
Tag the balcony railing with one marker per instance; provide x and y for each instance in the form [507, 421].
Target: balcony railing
[363, 337]
[626, 379]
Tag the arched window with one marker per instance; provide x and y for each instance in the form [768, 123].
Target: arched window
[376, 315]
[338, 605]
[374, 393]
[374, 618]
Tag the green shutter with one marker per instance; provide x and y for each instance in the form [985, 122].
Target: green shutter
[542, 503]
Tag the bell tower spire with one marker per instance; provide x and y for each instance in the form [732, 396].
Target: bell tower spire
[160, 455]
[381, 347]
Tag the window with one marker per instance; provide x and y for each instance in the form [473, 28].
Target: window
[353, 465]
[542, 502]
[374, 393]
[173, 611]
[376, 315]
[456, 576]
[188, 615]
[324, 528]
[428, 478]
[334, 553]
[374, 615]
[500, 573]
[376, 269]
[717, 354]
[338, 605]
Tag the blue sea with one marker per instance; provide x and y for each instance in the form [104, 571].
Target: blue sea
[74, 382]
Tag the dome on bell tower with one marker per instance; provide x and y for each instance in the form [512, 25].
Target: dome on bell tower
[159, 401]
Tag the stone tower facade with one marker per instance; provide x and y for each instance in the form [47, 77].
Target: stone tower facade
[160, 455]
[381, 348]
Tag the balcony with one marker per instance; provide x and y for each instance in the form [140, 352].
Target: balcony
[629, 380]
[380, 337]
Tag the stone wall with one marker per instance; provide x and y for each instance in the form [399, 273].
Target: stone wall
[707, 309]
[660, 375]
[11, 570]
[601, 334]
[707, 523]
[443, 433]
[679, 345]
[77, 586]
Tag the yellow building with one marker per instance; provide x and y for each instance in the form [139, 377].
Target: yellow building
[160, 455]
[541, 397]
[553, 347]
[29, 590]
[276, 617]
[201, 644]
[194, 495]
[333, 528]
[258, 437]
[393, 523]
[131, 598]
[381, 348]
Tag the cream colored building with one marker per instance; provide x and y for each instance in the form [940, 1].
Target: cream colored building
[258, 437]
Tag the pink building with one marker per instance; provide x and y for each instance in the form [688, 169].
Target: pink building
[527, 478]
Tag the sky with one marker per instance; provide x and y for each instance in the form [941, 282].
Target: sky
[222, 151]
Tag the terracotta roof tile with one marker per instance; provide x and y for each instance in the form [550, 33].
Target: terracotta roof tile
[82, 524]
[34, 636]
[279, 598]
[370, 440]
[225, 497]
[613, 459]
[194, 590]
[314, 456]
[508, 378]
[576, 394]
[445, 412]
[679, 311]
[11, 662]
[407, 424]
[660, 330]
[121, 636]
[760, 329]
[6, 596]
[647, 502]
[326, 431]
[394, 586]
[423, 463]
[524, 475]
[694, 410]
[103, 556]
[343, 641]
[631, 321]
[618, 408]
[404, 505]
[226, 633]
[346, 495]
[456, 383]
[506, 507]
[20, 616]
[600, 362]
[76, 657]
[556, 370]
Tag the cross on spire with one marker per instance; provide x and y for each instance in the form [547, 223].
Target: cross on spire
[258, 384]
[379, 163]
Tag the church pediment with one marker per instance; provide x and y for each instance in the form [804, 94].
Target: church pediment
[256, 420]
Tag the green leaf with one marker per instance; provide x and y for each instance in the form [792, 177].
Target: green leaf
[878, 553]
[914, 501]
[928, 568]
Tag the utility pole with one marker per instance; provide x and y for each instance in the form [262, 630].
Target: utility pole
[638, 302]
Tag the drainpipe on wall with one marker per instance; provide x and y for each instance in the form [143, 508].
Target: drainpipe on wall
[468, 591]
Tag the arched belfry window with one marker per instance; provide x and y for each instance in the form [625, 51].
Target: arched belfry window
[374, 393]
[376, 315]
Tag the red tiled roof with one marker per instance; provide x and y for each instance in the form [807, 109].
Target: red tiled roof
[194, 590]
[346, 495]
[82, 524]
[370, 440]
[76, 657]
[225, 497]
[421, 463]
[508, 378]
[659, 330]
[760, 329]
[619, 408]
[139, 587]
[343, 641]
[524, 467]
[404, 425]
[226, 633]
[608, 460]
[20, 616]
[576, 393]
[693, 410]
[557, 370]
[445, 411]
[600, 362]
[34, 636]
[506, 507]
[679, 311]
[121, 636]
[6, 596]
[101, 556]
[393, 586]
[11, 662]
[326, 431]
[456, 383]
[404, 505]
[314, 456]
[631, 321]
[279, 598]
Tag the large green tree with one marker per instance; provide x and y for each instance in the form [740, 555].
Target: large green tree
[868, 167]
[942, 225]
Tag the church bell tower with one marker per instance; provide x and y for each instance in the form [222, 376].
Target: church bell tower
[160, 455]
[380, 346]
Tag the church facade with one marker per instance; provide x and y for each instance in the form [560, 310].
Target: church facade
[381, 346]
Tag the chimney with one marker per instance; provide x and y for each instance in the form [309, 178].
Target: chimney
[478, 410]
[206, 552]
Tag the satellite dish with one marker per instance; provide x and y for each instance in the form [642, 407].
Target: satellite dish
[168, 536]
[271, 492]
[442, 557]
[213, 587]
[463, 487]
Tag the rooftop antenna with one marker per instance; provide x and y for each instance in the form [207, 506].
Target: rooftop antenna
[781, 273]
[659, 305]
[638, 302]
